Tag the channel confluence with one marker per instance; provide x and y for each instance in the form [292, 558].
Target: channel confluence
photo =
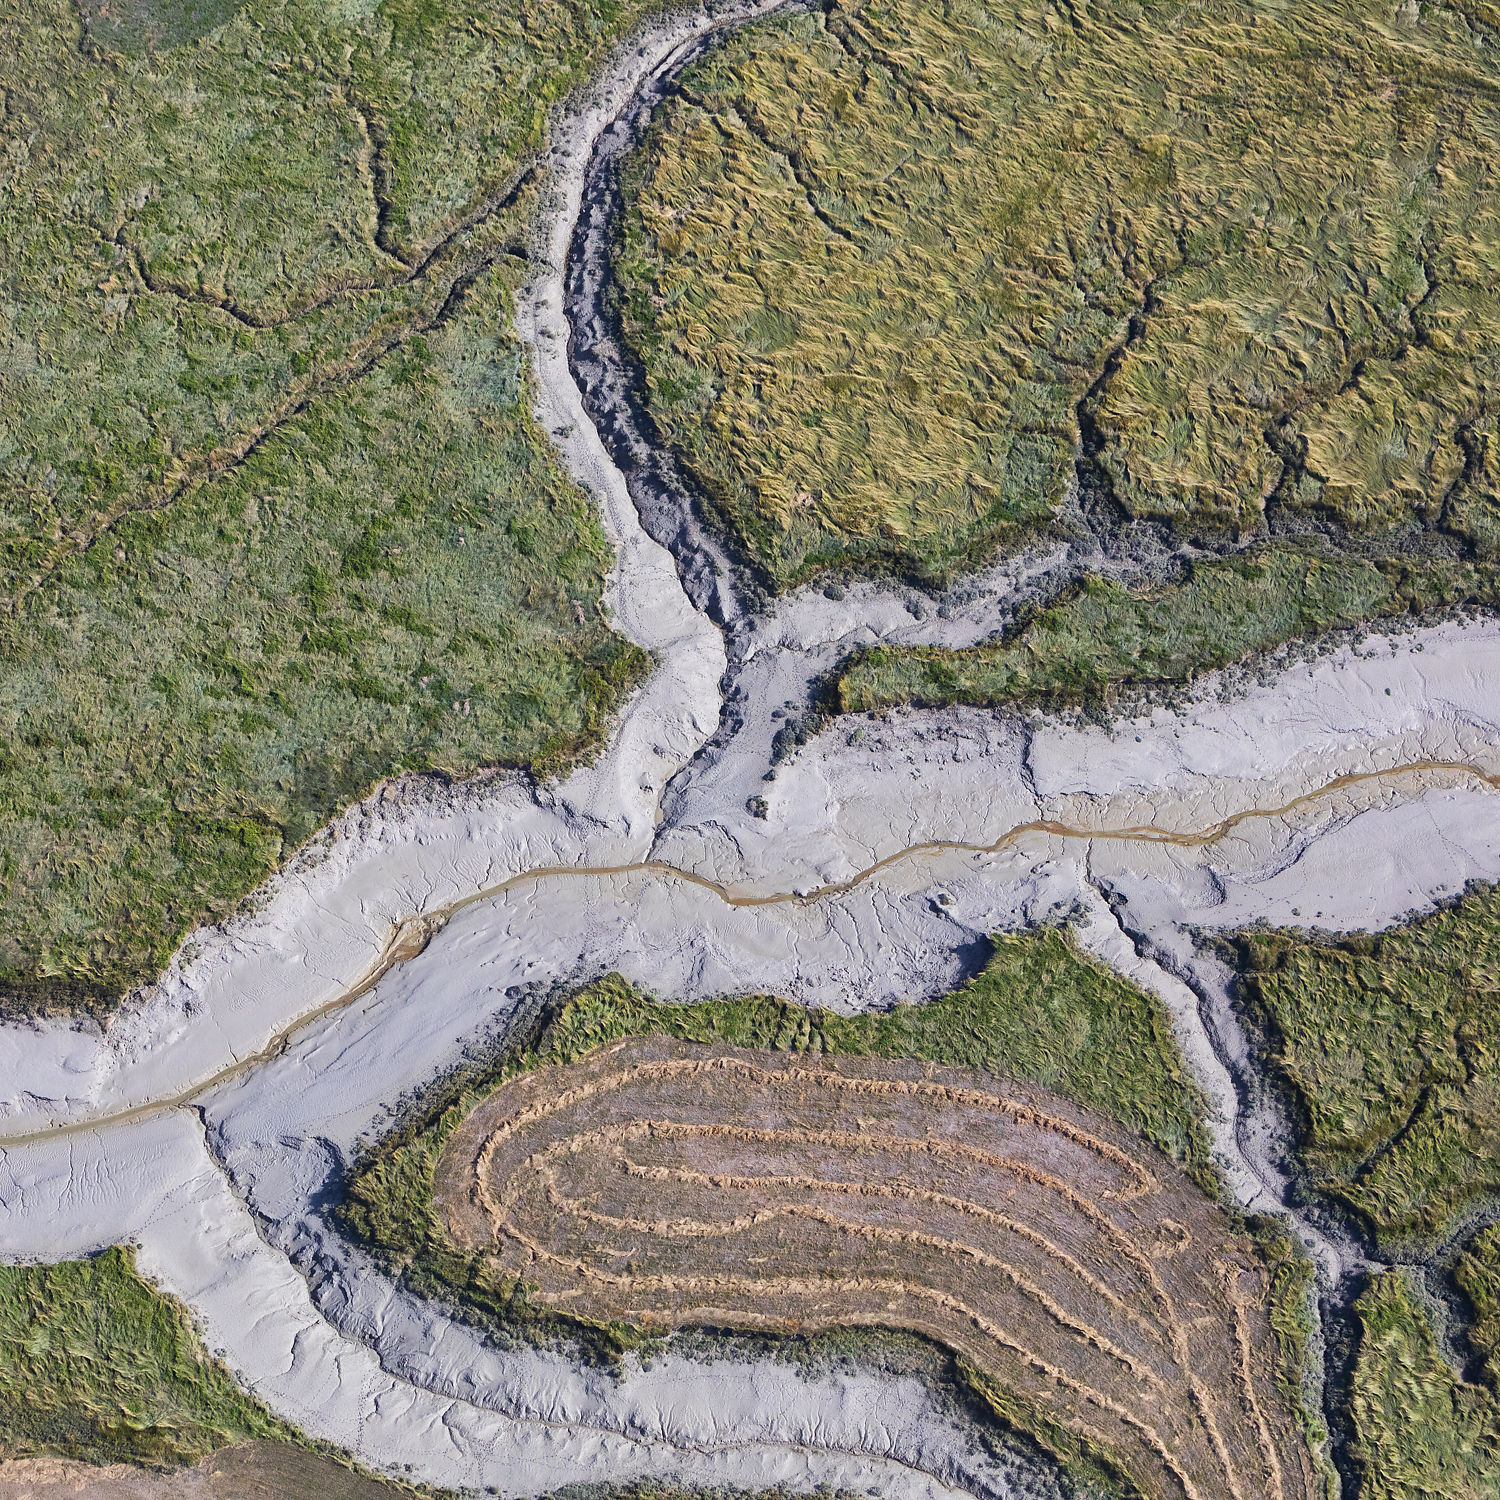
[411, 937]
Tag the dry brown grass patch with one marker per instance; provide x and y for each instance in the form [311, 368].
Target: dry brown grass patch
[670, 1185]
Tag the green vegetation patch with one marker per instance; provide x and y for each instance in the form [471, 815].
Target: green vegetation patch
[1102, 635]
[1294, 1325]
[401, 579]
[274, 520]
[1419, 1432]
[96, 1365]
[1390, 1046]
[1041, 1012]
[199, 236]
[893, 269]
[1477, 1273]
[1092, 1470]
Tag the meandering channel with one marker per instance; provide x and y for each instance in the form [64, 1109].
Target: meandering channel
[412, 936]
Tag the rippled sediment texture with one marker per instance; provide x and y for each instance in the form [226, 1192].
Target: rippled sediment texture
[669, 1186]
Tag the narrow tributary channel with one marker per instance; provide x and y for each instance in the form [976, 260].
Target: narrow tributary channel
[410, 938]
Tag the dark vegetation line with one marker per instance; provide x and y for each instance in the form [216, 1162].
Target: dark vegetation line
[1096, 486]
[382, 183]
[746, 110]
[225, 460]
[412, 270]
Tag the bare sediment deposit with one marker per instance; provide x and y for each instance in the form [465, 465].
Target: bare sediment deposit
[246, 1471]
[672, 1186]
[871, 785]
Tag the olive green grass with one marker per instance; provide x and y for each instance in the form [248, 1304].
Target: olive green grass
[402, 579]
[98, 1366]
[1389, 1048]
[903, 277]
[1100, 637]
[1419, 1432]
[274, 520]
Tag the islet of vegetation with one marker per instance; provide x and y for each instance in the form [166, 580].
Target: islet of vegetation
[1042, 1011]
[1387, 1047]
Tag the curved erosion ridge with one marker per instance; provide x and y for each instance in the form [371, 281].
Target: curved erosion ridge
[274, 1126]
[674, 1186]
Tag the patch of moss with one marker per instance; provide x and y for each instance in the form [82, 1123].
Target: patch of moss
[96, 1365]
[1045, 1012]
[1390, 1046]
[1419, 1432]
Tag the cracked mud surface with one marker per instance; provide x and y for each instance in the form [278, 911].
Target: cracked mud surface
[212, 1121]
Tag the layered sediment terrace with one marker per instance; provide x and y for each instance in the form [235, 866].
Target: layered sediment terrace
[670, 1185]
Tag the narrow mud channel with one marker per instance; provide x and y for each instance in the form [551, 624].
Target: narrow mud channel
[411, 937]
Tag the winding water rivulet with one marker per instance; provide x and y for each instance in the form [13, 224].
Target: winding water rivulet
[211, 1121]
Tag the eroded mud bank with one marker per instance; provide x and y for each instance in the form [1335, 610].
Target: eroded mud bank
[285, 1128]
[1345, 794]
